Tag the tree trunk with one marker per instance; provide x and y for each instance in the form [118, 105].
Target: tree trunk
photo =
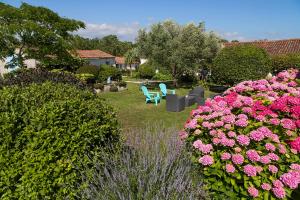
[174, 73]
[130, 70]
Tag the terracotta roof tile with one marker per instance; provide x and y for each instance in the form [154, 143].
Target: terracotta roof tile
[93, 54]
[120, 60]
[273, 47]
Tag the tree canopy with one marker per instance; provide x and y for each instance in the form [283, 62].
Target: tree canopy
[178, 48]
[31, 32]
[110, 44]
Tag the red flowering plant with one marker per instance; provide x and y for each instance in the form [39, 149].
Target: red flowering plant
[247, 141]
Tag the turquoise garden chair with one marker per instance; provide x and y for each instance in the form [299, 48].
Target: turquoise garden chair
[151, 96]
[164, 90]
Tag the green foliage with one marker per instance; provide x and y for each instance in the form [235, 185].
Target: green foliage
[88, 70]
[86, 78]
[24, 77]
[109, 71]
[283, 62]
[113, 88]
[99, 86]
[37, 33]
[110, 44]
[162, 77]
[46, 133]
[146, 70]
[122, 84]
[239, 63]
[178, 48]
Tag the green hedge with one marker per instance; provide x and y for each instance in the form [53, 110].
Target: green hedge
[88, 70]
[46, 133]
[109, 71]
[239, 63]
[146, 71]
[283, 62]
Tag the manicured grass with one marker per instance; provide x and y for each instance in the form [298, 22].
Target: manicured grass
[134, 113]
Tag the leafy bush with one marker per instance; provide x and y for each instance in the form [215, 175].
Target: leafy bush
[122, 84]
[46, 131]
[240, 63]
[283, 62]
[99, 86]
[153, 165]
[146, 71]
[113, 88]
[89, 69]
[162, 77]
[86, 78]
[248, 141]
[109, 71]
[25, 77]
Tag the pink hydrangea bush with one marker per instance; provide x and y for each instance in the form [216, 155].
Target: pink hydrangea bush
[248, 139]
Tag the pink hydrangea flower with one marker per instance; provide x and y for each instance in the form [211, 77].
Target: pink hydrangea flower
[229, 119]
[291, 179]
[241, 122]
[231, 134]
[295, 166]
[206, 160]
[273, 169]
[273, 156]
[219, 123]
[253, 192]
[225, 156]
[295, 144]
[250, 170]
[243, 140]
[227, 126]
[266, 186]
[259, 169]
[230, 168]
[191, 124]
[282, 149]
[288, 124]
[197, 144]
[257, 135]
[265, 159]
[277, 183]
[237, 159]
[183, 135]
[216, 141]
[274, 121]
[237, 149]
[279, 192]
[270, 147]
[253, 155]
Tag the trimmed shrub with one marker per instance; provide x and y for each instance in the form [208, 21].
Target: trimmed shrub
[153, 165]
[109, 71]
[113, 88]
[146, 71]
[247, 142]
[122, 84]
[99, 86]
[283, 62]
[45, 134]
[24, 77]
[86, 78]
[240, 63]
[162, 77]
[90, 69]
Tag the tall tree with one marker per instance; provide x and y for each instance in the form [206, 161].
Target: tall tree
[131, 57]
[31, 32]
[178, 48]
[110, 44]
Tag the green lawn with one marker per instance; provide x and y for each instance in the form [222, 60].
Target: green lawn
[134, 113]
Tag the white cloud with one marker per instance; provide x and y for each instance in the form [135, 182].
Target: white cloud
[123, 31]
[233, 36]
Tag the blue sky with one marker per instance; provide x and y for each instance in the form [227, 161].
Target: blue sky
[232, 19]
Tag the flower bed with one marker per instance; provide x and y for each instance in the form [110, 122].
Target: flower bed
[247, 141]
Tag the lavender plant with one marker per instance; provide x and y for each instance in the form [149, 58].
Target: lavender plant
[152, 165]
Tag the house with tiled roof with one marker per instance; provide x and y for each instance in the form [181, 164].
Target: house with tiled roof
[96, 57]
[273, 47]
[121, 64]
